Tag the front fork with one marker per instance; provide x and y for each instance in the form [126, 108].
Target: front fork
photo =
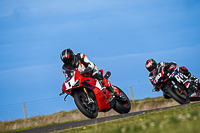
[89, 99]
[173, 85]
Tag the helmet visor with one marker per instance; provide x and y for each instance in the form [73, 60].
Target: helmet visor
[68, 61]
[150, 69]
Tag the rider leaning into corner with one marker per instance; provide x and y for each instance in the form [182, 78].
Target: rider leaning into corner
[84, 65]
[191, 89]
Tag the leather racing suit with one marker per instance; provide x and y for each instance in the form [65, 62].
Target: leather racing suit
[84, 65]
[171, 67]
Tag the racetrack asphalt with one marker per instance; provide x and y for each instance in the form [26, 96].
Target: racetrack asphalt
[64, 126]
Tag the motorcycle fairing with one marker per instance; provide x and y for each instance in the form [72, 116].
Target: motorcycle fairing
[89, 83]
[100, 96]
[102, 100]
[98, 85]
[70, 83]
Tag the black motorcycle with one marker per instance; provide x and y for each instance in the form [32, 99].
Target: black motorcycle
[171, 83]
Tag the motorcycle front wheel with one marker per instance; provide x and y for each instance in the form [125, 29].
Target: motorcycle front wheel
[181, 98]
[90, 110]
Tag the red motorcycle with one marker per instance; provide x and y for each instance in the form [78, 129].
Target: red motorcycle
[90, 96]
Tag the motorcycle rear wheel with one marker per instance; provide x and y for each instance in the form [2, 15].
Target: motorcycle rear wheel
[120, 105]
[89, 110]
[176, 96]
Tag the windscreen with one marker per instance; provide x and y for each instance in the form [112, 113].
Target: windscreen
[69, 73]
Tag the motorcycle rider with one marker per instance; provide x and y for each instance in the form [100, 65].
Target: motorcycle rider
[84, 65]
[191, 89]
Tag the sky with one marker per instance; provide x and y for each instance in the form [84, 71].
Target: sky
[117, 35]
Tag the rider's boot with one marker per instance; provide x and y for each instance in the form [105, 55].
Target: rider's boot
[115, 92]
[190, 90]
[111, 89]
[192, 93]
[112, 92]
[112, 98]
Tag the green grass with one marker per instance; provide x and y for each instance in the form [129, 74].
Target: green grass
[184, 119]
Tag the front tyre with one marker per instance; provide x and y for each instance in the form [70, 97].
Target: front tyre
[90, 110]
[174, 93]
[122, 103]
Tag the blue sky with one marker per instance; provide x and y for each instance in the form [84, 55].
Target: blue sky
[117, 35]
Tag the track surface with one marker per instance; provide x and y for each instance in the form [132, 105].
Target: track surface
[54, 128]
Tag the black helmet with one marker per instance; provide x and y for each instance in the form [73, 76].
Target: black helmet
[150, 64]
[67, 56]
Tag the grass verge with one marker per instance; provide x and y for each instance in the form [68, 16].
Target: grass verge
[184, 119]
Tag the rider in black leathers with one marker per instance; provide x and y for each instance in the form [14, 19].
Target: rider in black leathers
[191, 88]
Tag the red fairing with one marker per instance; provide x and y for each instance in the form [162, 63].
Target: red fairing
[91, 83]
[102, 99]
[63, 87]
